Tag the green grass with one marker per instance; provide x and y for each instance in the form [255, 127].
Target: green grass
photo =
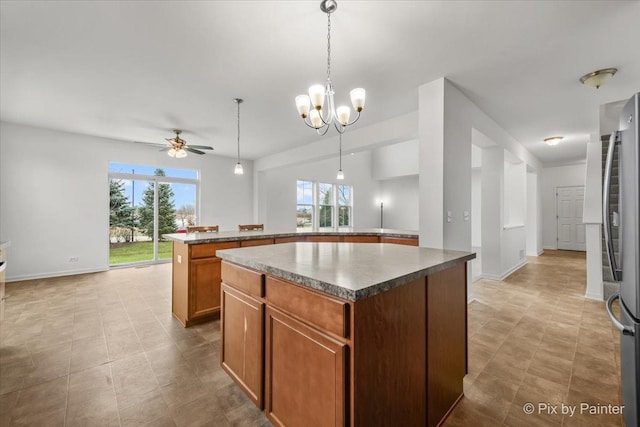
[123, 253]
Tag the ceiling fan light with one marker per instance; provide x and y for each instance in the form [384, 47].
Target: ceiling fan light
[238, 170]
[172, 152]
[554, 140]
[598, 78]
[181, 154]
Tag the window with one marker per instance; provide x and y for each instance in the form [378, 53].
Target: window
[344, 206]
[305, 204]
[325, 202]
[323, 205]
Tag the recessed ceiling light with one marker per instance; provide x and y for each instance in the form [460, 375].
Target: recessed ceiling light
[553, 140]
[598, 78]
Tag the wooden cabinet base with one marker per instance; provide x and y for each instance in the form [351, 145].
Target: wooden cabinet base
[396, 358]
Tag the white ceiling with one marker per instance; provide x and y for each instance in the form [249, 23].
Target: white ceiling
[135, 70]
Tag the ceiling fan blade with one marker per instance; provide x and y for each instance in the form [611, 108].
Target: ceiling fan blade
[193, 150]
[166, 148]
[201, 147]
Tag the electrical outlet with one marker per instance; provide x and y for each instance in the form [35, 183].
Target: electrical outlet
[73, 259]
[521, 253]
[466, 215]
[449, 216]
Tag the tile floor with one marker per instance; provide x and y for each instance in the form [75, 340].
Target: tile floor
[103, 349]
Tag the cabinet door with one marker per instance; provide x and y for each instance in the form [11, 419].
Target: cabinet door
[242, 341]
[304, 374]
[204, 292]
[324, 239]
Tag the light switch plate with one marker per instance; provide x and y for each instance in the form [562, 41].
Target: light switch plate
[179, 259]
[449, 216]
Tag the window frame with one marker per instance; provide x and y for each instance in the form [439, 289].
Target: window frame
[335, 205]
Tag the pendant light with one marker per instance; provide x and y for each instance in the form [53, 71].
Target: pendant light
[238, 170]
[340, 174]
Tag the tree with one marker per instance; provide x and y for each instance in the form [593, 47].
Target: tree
[120, 212]
[166, 209]
[325, 213]
[187, 214]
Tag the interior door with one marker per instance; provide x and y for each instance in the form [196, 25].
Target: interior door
[571, 230]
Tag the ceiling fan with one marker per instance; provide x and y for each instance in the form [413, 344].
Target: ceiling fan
[178, 147]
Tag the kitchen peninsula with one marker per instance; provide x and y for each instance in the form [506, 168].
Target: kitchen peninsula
[196, 268]
[335, 334]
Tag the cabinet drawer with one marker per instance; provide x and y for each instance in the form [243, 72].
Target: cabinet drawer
[244, 279]
[257, 242]
[323, 311]
[207, 250]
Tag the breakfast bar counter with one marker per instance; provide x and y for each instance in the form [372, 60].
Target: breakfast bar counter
[335, 334]
[196, 268]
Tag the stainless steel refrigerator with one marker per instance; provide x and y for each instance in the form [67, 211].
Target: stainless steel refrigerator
[626, 267]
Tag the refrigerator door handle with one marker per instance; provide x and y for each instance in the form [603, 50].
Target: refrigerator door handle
[616, 273]
[626, 330]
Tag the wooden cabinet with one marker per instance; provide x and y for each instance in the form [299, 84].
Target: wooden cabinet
[399, 240]
[242, 341]
[362, 239]
[324, 238]
[308, 358]
[196, 281]
[305, 374]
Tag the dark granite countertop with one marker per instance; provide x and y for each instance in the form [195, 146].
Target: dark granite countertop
[352, 271]
[227, 236]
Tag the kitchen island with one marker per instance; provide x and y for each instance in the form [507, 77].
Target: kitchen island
[335, 334]
[196, 268]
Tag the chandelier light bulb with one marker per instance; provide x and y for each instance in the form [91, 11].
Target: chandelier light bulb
[172, 152]
[181, 154]
[358, 96]
[316, 94]
[316, 121]
[343, 114]
[303, 103]
[238, 170]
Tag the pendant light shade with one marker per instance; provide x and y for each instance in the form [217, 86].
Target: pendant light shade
[238, 169]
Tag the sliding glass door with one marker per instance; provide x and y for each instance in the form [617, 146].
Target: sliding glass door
[143, 210]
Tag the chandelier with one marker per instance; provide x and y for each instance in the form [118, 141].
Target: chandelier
[324, 111]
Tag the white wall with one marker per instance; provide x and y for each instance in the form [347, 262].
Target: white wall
[279, 187]
[55, 196]
[401, 200]
[531, 226]
[395, 160]
[551, 178]
[476, 207]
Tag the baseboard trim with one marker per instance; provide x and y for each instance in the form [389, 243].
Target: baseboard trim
[471, 300]
[55, 274]
[594, 296]
[551, 248]
[507, 273]
[540, 252]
